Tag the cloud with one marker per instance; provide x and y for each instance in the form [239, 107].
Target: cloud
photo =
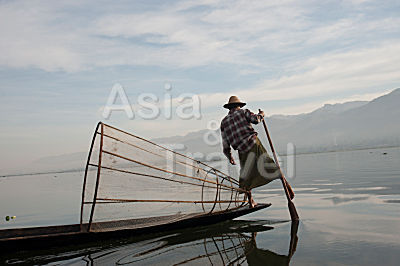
[349, 30]
[30, 38]
[329, 78]
[65, 36]
[338, 73]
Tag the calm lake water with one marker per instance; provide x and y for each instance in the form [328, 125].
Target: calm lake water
[348, 202]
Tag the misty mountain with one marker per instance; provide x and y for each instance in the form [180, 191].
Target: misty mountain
[351, 125]
[333, 127]
[338, 127]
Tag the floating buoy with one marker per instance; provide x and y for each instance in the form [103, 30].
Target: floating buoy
[13, 217]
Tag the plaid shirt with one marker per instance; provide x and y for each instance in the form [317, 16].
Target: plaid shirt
[236, 130]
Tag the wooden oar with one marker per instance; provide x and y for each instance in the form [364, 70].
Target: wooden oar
[288, 189]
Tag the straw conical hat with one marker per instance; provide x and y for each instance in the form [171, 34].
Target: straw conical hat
[234, 100]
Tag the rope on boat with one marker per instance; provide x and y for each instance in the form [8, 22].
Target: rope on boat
[154, 176]
[180, 154]
[170, 172]
[178, 161]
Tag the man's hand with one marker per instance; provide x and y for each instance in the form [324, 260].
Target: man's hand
[260, 112]
[232, 161]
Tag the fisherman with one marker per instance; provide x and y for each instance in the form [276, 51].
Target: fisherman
[257, 168]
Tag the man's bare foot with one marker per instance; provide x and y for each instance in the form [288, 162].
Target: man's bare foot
[251, 201]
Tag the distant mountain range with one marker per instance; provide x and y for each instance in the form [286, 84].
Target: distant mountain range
[333, 127]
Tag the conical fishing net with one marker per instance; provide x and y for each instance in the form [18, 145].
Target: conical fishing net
[135, 183]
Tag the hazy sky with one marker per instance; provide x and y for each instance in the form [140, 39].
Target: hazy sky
[60, 59]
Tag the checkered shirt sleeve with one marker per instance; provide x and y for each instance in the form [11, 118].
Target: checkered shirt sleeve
[236, 130]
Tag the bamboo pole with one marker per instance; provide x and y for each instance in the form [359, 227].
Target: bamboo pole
[86, 172]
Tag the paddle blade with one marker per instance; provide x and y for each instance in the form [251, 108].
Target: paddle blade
[293, 238]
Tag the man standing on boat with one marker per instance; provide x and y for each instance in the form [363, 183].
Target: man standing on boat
[257, 168]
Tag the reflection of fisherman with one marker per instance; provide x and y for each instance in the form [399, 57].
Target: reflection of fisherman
[256, 167]
[256, 256]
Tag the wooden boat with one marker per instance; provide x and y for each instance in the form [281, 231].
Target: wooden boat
[39, 237]
[134, 186]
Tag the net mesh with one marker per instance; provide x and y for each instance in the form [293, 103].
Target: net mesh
[136, 183]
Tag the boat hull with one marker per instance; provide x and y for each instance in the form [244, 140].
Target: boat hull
[39, 237]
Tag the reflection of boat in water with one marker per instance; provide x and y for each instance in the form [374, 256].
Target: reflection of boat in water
[132, 185]
[232, 243]
[229, 243]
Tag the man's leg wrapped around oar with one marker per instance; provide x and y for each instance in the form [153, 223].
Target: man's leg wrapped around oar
[257, 168]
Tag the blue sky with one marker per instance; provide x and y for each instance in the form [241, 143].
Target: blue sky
[60, 59]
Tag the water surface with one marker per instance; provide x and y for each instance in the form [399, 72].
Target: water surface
[348, 203]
